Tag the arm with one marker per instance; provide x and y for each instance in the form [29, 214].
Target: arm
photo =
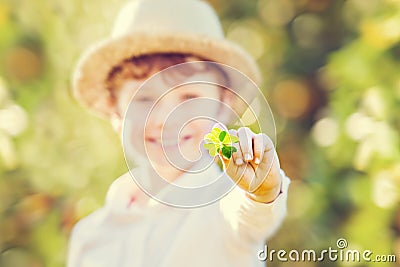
[257, 206]
[249, 222]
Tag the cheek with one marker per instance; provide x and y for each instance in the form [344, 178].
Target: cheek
[133, 128]
[137, 137]
[198, 128]
[191, 150]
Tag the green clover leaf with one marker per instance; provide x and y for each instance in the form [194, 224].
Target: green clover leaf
[219, 141]
[222, 136]
[227, 151]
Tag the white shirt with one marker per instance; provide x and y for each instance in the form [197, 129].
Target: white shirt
[136, 231]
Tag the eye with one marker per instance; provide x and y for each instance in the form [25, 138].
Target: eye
[144, 99]
[189, 96]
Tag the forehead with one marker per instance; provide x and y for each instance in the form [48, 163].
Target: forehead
[164, 82]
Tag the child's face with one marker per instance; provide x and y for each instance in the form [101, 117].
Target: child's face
[168, 124]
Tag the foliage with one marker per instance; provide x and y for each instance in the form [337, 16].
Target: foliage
[219, 141]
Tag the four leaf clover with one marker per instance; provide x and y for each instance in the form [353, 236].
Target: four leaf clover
[220, 142]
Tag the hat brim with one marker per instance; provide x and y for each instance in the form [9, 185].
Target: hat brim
[94, 66]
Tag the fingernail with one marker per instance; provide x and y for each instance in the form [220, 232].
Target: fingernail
[247, 156]
[257, 161]
[239, 161]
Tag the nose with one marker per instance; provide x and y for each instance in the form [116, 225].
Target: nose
[161, 113]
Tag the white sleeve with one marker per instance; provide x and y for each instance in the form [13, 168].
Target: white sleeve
[251, 223]
[85, 235]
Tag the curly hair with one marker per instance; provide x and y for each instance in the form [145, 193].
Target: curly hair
[142, 67]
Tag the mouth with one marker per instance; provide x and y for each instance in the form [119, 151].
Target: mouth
[167, 143]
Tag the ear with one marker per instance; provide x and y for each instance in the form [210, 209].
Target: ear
[116, 122]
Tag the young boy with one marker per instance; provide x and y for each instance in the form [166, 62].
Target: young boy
[162, 133]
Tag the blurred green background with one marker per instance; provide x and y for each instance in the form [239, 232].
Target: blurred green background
[332, 77]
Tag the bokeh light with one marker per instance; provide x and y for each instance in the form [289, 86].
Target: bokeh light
[22, 64]
[356, 10]
[13, 120]
[276, 13]
[358, 126]
[381, 34]
[249, 36]
[325, 132]
[386, 193]
[307, 30]
[292, 98]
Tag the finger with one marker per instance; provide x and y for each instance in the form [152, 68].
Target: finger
[269, 156]
[269, 144]
[259, 143]
[267, 162]
[246, 143]
[237, 156]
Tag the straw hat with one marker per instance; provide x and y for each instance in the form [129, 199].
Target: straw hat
[156, 26]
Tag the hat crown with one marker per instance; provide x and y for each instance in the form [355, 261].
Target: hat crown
[163, 16]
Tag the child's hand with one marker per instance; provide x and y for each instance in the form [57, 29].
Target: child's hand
[254, 165]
